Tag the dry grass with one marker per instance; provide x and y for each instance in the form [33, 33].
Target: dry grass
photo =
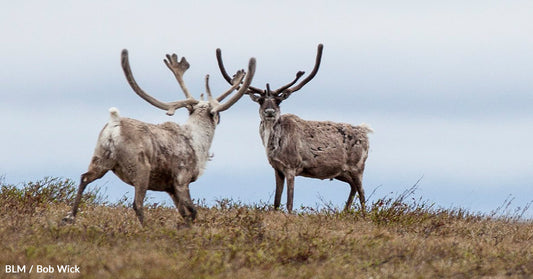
[400, 237]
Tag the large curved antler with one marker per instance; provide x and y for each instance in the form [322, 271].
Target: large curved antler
[251, 89]
[178, 69]
[170, 107]
[283, 88]
[216, 102]
[236, 82]
[285, 91]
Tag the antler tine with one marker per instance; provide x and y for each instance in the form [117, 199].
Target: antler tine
[210, 99]
[251, 89]
[283, 88]
[207, 89]
[236, 81]
[268, 91]
[289, 91]
[242, 90]
[178, 68]
[169, 107]
[221, 66]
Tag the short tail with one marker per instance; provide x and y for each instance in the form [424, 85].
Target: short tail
[115, 117]
[366, 128]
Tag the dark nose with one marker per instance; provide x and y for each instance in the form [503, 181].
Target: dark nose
[269, 112]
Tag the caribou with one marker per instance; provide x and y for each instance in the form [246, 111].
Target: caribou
[315, 149]
[161, 157]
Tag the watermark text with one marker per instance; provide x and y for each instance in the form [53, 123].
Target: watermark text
[63, 268]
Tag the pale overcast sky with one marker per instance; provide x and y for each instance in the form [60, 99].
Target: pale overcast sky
[446, 85]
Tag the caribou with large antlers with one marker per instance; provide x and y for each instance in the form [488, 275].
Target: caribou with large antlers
[164, 157]
[297, 147]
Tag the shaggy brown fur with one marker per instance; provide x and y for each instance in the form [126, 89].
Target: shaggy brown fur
[317, 149]
[165, 157]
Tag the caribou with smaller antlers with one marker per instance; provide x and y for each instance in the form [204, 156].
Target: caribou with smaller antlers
[297, 147]
[165, 157]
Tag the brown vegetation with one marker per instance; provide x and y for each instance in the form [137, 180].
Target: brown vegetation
[399, 237]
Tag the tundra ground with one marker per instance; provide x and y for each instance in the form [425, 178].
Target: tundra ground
[399, 237]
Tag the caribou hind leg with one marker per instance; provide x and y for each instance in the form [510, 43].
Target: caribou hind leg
[95, 172]
[356, 186]
[351, 196]
[361, 191]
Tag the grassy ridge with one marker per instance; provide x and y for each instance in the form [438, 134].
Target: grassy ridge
[399, 237]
